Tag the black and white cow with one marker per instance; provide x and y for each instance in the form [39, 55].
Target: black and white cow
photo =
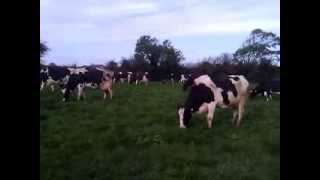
[43, 77]
[208, 92]
[121, 77]
[182, 79]
[129, 77]
[92, 77]
[142, 78]
[54, 75]
[267, 89]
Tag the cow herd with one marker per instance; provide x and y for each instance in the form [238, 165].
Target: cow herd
[206, 92]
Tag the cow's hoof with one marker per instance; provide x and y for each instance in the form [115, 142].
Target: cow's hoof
[183, 127]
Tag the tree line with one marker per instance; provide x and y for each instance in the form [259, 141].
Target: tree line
[257, 58]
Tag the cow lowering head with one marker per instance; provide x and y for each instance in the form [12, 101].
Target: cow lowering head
[200, 100]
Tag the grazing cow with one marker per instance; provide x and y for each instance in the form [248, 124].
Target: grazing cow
[119, 77]
[53, 75]
[183, 79]
[207, 93]
[89, 77]
[267, 89]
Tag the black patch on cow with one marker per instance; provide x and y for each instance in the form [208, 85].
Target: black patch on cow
[189, 81]
[225, 97]
[92, 76]
[57, 73]
[222, 81]
[197, 96]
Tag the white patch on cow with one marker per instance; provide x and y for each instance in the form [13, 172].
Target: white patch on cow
[63, 90]
[129, 77]
[52, 88]
[77, 70]
[203, 108]
[182, 78]
[145, 79]
[180, 113]
[206, 80]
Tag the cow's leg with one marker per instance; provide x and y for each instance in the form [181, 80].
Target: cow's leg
[52, 87]
[136, 82]
[42, 86]
[80, 91]
[211, 109]
[181, 113]
[110, 92]
[240, 111]
[234, 117]
[104, 95]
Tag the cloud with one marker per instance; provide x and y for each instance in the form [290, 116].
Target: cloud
[90, 23]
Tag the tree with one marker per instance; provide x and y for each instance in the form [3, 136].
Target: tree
[43, 49]
[170, 58]
[147, 49]
[125, 64]
[258, 46]
[112, 65]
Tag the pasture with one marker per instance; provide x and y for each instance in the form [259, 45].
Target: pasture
[135, 136]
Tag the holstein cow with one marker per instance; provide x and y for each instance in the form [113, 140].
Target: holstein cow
[89, 77]
[119, 77]
[43, 77]
[207, 93]
[142, 78]
[130, 77]
[183, 79]
[54, 75]
[267, 89]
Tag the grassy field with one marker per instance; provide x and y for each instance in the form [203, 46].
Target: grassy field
[135, 136]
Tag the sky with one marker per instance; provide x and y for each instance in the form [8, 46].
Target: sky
[95, 31]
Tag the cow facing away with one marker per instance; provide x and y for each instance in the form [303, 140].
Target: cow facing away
[207, 93]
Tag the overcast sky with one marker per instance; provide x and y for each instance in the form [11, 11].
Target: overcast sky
[94, 31]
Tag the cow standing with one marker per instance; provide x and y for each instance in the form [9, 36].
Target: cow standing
[207, 93]
[54, 75]
[183, 79]
[89, 77]
[120, 76]
[267, 89]
[142, 78]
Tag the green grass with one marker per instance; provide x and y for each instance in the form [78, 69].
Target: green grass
[136, 136]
